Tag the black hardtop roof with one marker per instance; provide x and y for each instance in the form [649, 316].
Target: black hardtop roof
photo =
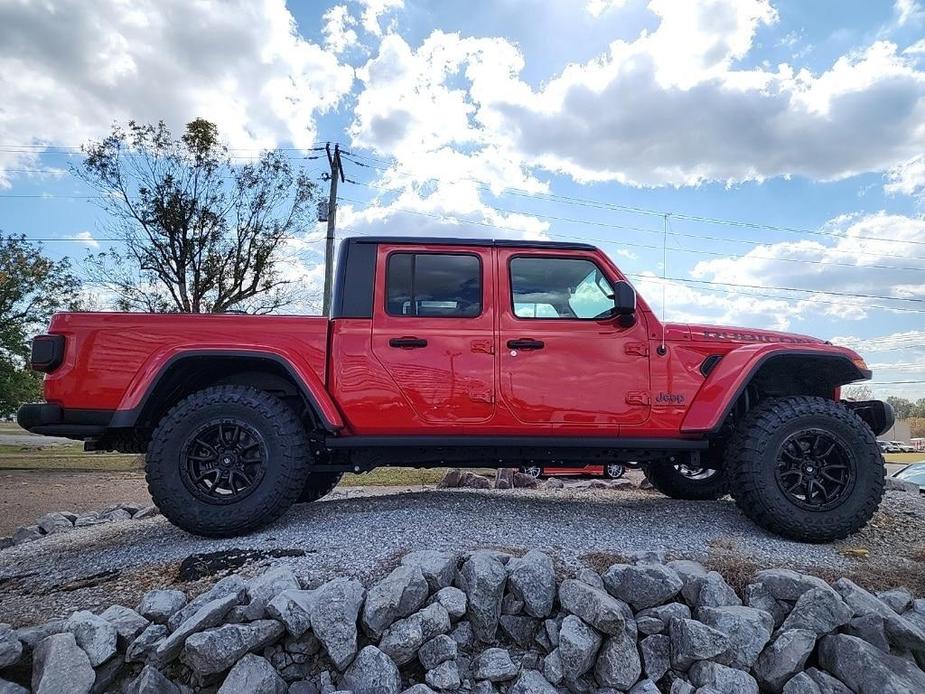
[449, 241]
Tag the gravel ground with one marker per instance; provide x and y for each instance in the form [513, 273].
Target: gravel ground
[362, 531]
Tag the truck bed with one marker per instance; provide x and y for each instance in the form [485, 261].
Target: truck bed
[118, 352]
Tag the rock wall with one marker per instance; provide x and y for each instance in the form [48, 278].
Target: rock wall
[486, 622]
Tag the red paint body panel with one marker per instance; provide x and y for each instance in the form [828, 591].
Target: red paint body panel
[593, 377]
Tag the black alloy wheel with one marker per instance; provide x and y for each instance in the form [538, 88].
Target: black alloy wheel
[814, 470]
[224, 460]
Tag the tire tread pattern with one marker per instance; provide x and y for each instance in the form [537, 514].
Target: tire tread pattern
[293, 464]
[747, 452]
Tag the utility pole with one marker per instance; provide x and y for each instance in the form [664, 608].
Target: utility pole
[337, 172]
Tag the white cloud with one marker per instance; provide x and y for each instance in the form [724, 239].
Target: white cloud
[338, 34]
[907, 178]
[906, 339]
[71, 68]
[87, 238]
[852, 263]
[374, 9]
[668, 108]
[598, 7]
[907, 12]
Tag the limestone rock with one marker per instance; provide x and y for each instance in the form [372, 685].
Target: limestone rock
[655, 620]
[207, 616]
[820, 610]
[786, 584]
[801, 683]
[26, 533]
[398, 595]
[372, 672]
[748, 629]
[438, 568]
[642, 585]
[404, 638]
[692, 641]
[494, 664]
[230, 585]
[723, 679]
[96, 636]
[618, 664]
[784, 657]
[595, 607]
[334, 611]
[128, 623]
[215, 650]
[263, 588]
[160, 605]
[60, 665]
[578, 646]
[55, 522]
[656, 655]
[293, 609]
[254, 675]
[151, 681]
[10, 646]
[444, 676]
[532, 578]
[483, 577]
[866, 669]
[438, 650]
[531, 682]
[453, 600]
[146, 643]
[900, 631]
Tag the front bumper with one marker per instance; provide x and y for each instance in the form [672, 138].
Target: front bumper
[50, 419]
[878, 414]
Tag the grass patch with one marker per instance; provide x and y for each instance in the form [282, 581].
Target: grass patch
[393, 476]
[904, 457]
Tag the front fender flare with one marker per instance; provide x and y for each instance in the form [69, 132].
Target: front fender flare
[727, 381]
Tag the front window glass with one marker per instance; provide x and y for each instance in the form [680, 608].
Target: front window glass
[560, 288]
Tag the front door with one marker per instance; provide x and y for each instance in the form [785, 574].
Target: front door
[433, 330]
[564, 358]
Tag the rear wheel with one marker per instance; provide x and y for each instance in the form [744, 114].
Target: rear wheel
[227, 460]
[682, 481]
[806, 468]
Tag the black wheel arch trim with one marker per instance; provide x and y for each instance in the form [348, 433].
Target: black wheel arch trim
[861, 375]
[130, 418]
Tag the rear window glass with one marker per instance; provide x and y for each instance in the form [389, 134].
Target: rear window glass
[447, 285]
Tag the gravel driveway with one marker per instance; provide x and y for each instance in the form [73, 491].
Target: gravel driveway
[365, 530]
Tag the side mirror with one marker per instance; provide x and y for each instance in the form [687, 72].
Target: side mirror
[624, 299]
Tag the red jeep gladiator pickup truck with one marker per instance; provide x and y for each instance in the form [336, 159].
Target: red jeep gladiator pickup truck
[464, 352]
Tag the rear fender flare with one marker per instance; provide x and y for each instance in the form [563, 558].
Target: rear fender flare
[738, 368]
[138, 396]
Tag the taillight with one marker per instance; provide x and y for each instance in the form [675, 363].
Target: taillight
[47, 352]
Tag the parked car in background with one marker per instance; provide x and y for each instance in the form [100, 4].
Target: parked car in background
[612, 471]
[915, 473]
[889, 446]
[901, 447]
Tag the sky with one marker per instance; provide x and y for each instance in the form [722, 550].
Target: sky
[772, 152]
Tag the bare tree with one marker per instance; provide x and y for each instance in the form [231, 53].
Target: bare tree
[201, 233]
[858, 392]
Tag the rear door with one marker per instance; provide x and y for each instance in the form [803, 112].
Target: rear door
[433, 329]
[563, 358]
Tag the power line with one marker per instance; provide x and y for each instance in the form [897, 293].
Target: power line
[730, 284]
[609, 225]
[588, 202]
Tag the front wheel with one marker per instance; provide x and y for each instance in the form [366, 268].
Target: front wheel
[227, 460]
[806, 468]
[614, 471]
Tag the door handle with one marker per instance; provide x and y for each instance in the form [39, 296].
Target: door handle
[408, 342]
[525, 343]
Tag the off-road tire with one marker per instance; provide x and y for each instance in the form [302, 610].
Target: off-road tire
[286, 470]
[751, 461]
[670, 481]
[318, 485]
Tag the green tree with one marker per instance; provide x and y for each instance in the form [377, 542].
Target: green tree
[202, 233]
[901, 407]
[32, 287]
